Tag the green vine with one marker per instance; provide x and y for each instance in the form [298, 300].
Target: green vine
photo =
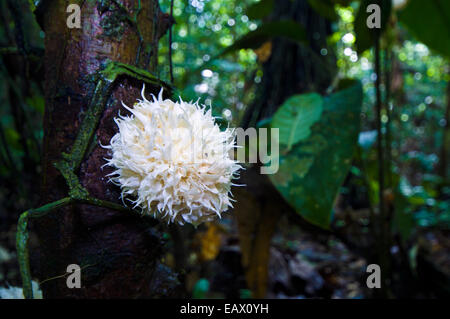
[70, 162]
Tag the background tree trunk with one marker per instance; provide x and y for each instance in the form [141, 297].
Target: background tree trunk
[291, 69]
[118, 253]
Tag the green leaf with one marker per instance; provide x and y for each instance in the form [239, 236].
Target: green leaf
[311, 174]
[429, 22]
[264, 123]
[37, 102]
[296, 116]
[365, 36]
[325, 8]
[227, 66]
[403, 220]
[12, 138]
[367, 139]
[200, 289]
[287, 29]
[344, 3]
[260, 9]
[32, 4]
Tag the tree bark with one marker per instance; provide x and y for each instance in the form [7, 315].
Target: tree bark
[118, 253]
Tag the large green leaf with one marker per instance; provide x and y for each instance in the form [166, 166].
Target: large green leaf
[260, 9]
[287, 29]
[296, 116]
[325, 8]
[311, 173]
[429, 22]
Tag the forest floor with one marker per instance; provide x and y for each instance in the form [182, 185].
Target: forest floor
[304, 263]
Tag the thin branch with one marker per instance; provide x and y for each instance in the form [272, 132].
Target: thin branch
[383, 222]
[7, 150]
[378, 105]
[170, 42]
[22, 236]
[22, 241]
[387, 97]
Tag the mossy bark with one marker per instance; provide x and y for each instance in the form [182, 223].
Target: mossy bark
[118, 253]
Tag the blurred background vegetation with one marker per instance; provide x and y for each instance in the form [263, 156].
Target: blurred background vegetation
[219, 51]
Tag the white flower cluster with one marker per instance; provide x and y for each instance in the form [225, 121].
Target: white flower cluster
[174, 160]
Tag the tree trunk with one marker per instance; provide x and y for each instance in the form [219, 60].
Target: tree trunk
[291, 69]
[443, 165]
[118, 253]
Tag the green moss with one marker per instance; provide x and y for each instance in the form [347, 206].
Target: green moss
[114, 24]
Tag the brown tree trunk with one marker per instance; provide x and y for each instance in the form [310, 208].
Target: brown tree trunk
[118, 253]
